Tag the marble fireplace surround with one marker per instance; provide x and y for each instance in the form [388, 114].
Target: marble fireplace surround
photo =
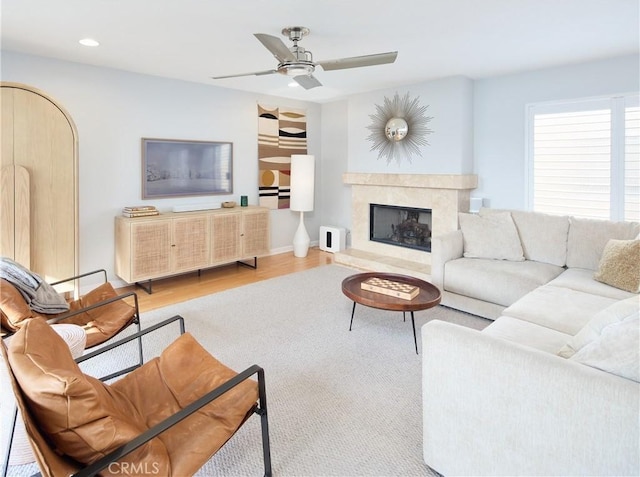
[445, 194]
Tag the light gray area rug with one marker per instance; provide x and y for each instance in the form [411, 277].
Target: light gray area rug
[340, 402]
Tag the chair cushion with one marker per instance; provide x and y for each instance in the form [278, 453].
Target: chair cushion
[184, 372]
[13, 306]
[103, 322]
[83, 417]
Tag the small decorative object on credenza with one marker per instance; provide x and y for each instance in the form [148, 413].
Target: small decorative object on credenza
[139, 211]
[229, 204]
[390, 288]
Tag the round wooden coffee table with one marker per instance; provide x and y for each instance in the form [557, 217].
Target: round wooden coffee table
[428, 295]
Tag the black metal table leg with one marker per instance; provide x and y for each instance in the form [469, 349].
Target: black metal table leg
[415, 340]
[146, 288]
[353, 310]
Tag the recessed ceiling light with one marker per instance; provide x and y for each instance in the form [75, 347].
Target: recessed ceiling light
[89, 42]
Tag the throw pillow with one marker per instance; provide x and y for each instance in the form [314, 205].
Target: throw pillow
[616, 351]
[620, 265]
[493, 236]
[620, 311]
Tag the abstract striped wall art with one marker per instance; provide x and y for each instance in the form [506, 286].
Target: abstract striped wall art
[281, 133]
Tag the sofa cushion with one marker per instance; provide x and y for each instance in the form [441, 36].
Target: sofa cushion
[543, 236]
[558, 308]
[620, 265]
[528, 334]
[496, 281]
[617, 312]
[588, 237]
[581, 279]
[616, 350]
[494, 236]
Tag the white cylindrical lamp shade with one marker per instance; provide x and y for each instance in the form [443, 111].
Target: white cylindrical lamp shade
[302, 182]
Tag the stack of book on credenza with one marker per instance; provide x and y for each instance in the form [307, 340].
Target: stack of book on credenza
[140, 211]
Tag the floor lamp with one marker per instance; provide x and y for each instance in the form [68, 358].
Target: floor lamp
[301, 200]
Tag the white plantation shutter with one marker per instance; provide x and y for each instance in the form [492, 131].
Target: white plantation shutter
[584, 158]
[632, 164]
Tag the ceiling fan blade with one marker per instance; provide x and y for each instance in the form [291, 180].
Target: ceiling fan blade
[359, 61]
[256, 73]
[276, 46]
[307, 81]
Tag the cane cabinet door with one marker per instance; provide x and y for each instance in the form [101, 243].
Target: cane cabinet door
[190, 243]
[225, 237]
[255, 233]
[150, 249]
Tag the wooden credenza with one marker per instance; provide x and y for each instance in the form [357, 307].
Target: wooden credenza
[172, 243]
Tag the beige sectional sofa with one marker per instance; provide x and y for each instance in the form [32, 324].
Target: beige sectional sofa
[551, 386]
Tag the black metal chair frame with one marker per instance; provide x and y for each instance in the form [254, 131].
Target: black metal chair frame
[260, 408]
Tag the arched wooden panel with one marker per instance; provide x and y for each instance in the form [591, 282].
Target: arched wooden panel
[41, 137]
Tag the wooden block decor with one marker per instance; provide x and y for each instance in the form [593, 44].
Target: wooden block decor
[390, 288]
[281, 133]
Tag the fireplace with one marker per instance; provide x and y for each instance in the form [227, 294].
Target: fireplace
[401, 226]
[444, 194]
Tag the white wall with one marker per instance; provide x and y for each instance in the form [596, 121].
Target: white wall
[346, 148]
[336, 196]
[499, 118]
[113, 110]
[478, 128]
[450, 144]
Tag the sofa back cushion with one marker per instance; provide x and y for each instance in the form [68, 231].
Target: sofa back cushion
[543, 236]
[494, 236]
[588, 237]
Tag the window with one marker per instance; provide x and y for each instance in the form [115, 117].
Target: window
[583, 158]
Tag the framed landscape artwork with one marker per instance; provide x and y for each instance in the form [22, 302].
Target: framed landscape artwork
[179, 168]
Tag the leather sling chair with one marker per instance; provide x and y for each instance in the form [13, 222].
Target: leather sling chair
[102, 313]
[166, 418]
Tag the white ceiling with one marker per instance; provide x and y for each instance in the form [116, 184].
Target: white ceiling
[195, 39]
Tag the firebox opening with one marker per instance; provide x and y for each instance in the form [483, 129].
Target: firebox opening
[402, 226]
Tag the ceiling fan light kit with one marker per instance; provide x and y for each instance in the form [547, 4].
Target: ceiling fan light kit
[297, 62]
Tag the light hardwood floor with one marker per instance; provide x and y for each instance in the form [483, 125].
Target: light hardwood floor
[187, 286]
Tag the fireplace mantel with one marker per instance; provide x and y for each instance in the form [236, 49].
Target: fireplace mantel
[421, 181]
[445, 194]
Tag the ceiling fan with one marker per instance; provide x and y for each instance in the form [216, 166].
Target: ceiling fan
[298, 62]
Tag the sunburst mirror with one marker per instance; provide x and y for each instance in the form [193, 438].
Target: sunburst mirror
[399, 128]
